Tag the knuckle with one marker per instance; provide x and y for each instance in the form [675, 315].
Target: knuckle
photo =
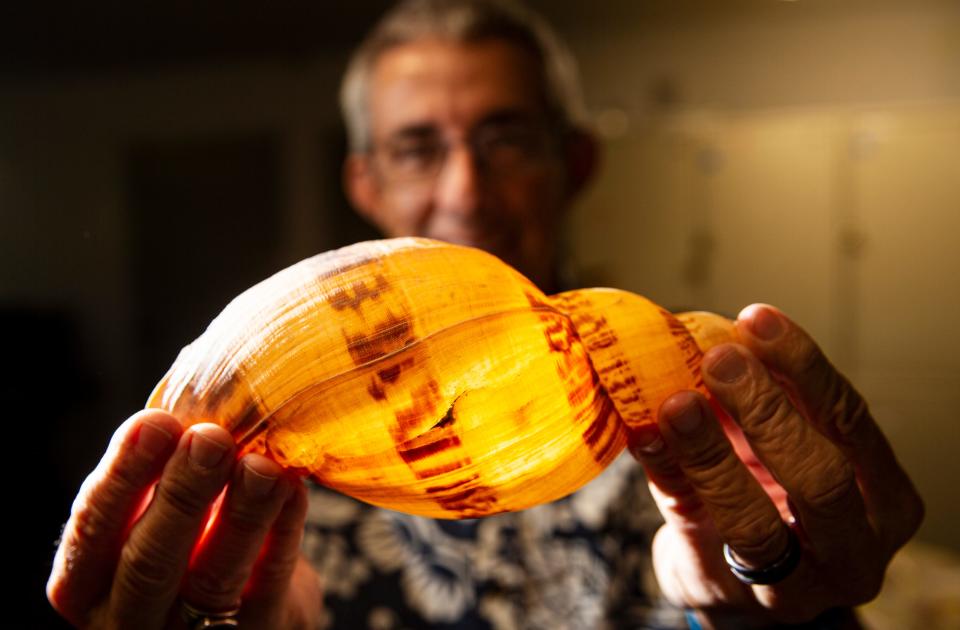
[768, 406]
[248, 519]
[714, 480]
[809, 360]
[132, 470]
[277, 570]
[185, 500]
[709, 457]
[216, 587]
[848, 412]
[832, 492]
[759, 539]
[148, 569]
[93, 526]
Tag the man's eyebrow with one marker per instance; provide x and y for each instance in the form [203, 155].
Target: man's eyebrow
[416, 131]
[508, 116]
[428, 130]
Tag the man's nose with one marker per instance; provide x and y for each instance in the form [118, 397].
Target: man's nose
[459, 184]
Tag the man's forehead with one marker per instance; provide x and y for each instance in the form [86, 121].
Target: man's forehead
[436, 82]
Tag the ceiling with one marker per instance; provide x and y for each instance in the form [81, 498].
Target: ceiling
[44, 37]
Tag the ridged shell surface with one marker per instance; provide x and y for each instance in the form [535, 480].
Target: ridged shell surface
[432, 378]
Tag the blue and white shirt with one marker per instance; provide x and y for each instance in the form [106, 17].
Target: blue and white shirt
[582, 562]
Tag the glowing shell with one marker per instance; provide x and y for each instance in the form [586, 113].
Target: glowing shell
[434, 379]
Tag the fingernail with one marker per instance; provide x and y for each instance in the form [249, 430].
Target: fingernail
[256, 484]
[687, 420]
[729, 367]
[152, 439]
[206, 452]
[646, 441]
[765, 324]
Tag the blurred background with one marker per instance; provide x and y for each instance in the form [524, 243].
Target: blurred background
[156, 159]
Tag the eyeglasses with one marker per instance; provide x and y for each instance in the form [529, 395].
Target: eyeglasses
[499, 148]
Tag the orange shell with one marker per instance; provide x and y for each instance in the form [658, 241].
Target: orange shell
[434, 379]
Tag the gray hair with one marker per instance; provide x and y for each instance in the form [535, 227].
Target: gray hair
[463, 21]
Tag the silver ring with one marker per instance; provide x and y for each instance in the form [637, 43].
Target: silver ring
[774, 572]
[202, 619]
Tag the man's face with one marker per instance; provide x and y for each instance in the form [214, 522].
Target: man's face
[462, 151]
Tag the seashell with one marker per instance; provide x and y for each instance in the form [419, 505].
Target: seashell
[434, 379]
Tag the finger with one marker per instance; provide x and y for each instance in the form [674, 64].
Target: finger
[742, 513]
[281, 576]
[677, 500]
[153, 560]
[220, 569]
[107, 502]
[840, 412]
[689, 544]
[743, 450]
[816, 475]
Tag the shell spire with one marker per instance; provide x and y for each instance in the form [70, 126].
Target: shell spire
[433, 378]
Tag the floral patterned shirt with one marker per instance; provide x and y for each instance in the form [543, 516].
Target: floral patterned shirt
[580, 562]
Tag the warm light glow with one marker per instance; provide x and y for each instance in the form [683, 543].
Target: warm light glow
[434, 379]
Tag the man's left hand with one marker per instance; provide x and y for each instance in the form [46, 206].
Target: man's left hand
[837, 482]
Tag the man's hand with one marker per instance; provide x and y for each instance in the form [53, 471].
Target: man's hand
[132, 550]
[837, 481]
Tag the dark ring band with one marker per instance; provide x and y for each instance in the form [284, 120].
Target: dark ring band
[197, 619]
[772, 573]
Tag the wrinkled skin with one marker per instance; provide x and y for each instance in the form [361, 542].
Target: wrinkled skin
[109, 574]
[835, 472]
[854, 505]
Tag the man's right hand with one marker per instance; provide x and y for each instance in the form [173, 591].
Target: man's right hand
[122, 565]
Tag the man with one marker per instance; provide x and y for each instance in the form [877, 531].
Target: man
[464, 126]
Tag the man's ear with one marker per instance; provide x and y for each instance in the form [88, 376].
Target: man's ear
[582, 156]
[362, 188]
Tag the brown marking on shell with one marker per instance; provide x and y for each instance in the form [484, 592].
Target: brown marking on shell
[249, 421]
[442, 469]
[588, 397]
[424, 402]
[440, 437]
[357, 260]
[693, 355]
[441, 441]
[471, 503]
[596, 333]
[376, 391]
[583, 391]
[388, 376]
[536, 301]
[213, 399]
[429, 446]
[451, 486]
[595, 330]
[392, 372]
[598, 428]
[342, 298]
[620, 385]
[558, 333]
[387, 336]
[612, 367]
[603, 339]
